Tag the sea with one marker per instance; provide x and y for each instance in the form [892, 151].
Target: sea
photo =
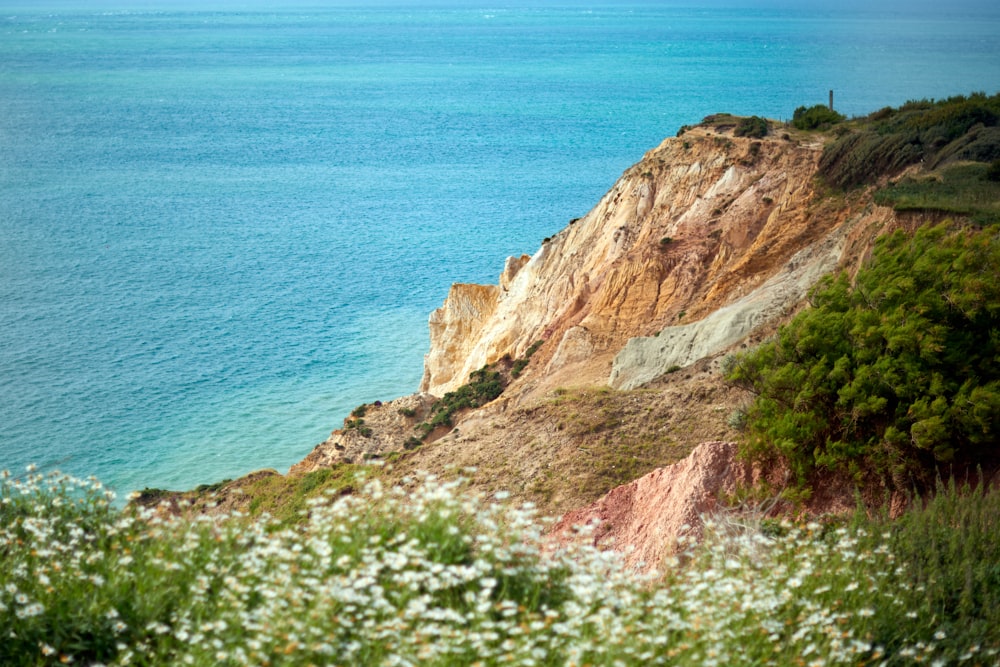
[224, 225]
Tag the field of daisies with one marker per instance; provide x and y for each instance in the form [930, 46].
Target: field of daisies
[427, 574]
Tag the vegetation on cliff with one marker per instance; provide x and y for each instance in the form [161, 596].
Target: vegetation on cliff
[424, 574]
[943, 136]
[484, 385]
[898, 374]
[817, 117]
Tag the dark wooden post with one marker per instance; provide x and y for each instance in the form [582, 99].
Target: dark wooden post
[831, 100]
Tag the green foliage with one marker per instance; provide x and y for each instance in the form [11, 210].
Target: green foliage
[721, 122]
[518, 368]
[948, 552]
[818, 117]
[206, 488]
[896, 376]
[520, 364]
[961, 189]
[862, 157]
[956, 129]
[360, 411]
[359, 426]
[737, 420]
[286, 498]
[753, 126]
[484, 385]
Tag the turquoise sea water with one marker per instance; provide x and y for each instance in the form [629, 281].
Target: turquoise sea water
[221, 229]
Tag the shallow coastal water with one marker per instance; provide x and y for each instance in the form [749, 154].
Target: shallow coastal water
[221, 229]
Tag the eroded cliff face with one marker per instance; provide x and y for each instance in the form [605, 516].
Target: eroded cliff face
[645, 518]
[706, 224]
[704, 246]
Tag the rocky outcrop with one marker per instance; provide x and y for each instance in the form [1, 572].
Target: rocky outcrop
[644, 518]
[705, 245]
[453, 326]
[705, 222]
[372, 432]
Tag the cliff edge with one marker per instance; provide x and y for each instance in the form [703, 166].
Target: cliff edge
[708, 238]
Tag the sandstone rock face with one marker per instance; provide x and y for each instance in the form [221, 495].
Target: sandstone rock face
[385, 429]
[461, 319]
[701, 223]
[645, 358]
[644, 518]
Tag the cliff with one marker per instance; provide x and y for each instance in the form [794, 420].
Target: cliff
[706, 239]
[701, 248]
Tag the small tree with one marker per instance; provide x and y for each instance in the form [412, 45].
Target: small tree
[817, 117]
[753, 126]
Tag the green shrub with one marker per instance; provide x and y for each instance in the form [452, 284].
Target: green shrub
[520, 364]
[894, 376]
[359, 426]
[754, 127]
[484, 385]
[518, 367]
[862, 157]
[818, 117]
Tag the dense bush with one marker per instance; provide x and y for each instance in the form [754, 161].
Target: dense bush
[753, 126]
[993, 173]
[862, 157]
[484, 385]
[896, 376]
[816, 117]
[520, 364]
